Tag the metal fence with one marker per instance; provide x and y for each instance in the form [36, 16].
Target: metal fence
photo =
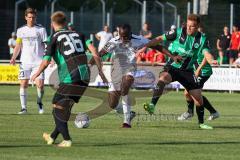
[159, 14]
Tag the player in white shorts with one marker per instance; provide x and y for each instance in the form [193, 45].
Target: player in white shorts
[124, 65]
[30, 41]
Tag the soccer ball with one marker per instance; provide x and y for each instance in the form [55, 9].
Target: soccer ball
[82, 120]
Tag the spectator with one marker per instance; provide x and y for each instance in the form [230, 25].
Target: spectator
[12, 43]
[234, 45]
[159, 57]
[71, 26]
[146, 32]
[223, 43]
[154, 56]
[103, 37]
[173, 27]
[116, 32]
[141, 57]
[237, 61]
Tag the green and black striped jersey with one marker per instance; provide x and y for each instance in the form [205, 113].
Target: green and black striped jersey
[190, 48]
[67, 48]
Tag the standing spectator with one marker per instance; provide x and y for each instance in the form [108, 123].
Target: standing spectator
[237, 61]
[223, 43]
[116, 32]
[103, 37]
[12, 43]
[146, 32]
[234, 45]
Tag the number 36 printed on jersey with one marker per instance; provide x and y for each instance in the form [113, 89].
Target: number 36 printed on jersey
[73, 42]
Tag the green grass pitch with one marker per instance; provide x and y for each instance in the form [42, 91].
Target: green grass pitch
[157, 137]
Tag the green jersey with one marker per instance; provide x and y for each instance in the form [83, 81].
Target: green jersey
[207, 69]
[67, 48]
[186, 46]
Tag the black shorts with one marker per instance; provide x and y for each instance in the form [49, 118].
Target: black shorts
[67, 92]
[233, 54]
[202, 80]
[184, 77]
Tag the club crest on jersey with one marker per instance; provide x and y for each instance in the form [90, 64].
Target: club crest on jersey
[196, 45]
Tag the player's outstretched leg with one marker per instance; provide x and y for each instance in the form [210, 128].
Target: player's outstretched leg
[158, 90]
[165, 78]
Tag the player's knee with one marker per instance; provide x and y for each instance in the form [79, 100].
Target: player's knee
[186, 94]
[124, 92]
[62, 113]
[165, 77]
[198, 102]
[112, 104]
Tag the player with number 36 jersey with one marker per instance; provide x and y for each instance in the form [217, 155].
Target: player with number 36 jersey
[67, 49]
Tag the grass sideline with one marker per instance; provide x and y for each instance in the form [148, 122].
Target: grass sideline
[150, 138]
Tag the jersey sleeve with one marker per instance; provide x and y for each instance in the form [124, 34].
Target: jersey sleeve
[50, 49]
[170, 35]
[19, 37]
[44, 35]
[206, 46]
[88, 42]
[144, 40]
[9, 42]
[99, 34]
[108, 48]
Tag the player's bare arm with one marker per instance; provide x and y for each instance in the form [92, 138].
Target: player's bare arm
[42, 67]
[16, 52]
[98, 62]
[209, 58]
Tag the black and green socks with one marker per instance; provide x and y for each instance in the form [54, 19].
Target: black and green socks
[158, 90]
[200, 114]
[208, 105]
[190, 105]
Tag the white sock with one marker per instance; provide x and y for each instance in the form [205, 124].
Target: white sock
[119, 108]
[126, 109]
[40, 93]
[23, 97]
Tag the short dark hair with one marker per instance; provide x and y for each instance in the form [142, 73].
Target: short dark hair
[59, 18]
[194, 17]
[31, 11]
[125, 29]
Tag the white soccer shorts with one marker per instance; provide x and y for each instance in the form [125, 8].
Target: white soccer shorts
[27, 70]
[116, 85]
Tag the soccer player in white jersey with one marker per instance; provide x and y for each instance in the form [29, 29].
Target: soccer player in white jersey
[123, 48]
[30, 41]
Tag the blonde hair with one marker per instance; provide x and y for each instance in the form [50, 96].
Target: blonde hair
[59, 18]
[194, 17]
[31, 11]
